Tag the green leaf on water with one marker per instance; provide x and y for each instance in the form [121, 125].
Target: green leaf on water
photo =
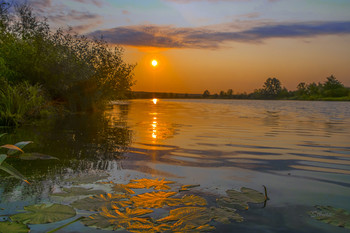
[97, 221]
[18, 145]
[44, 213]
[13, 227]
[193, 200]
[155, 199]
[122, 188]
[117, 219]
[149, 183]
[186, 187]
[224, 215]
[331, 215]
[77, 191]
[241, 199]
[2, 158]
[3, 134]
[34, 156]
[188, 219]
[96, 202]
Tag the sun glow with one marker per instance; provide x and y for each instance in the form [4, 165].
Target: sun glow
[154, 63]
[155, 101]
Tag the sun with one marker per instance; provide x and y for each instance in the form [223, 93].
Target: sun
[154, 63]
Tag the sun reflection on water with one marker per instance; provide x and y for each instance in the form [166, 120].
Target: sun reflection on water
[154, 128]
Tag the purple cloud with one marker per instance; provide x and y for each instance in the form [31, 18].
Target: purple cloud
[204, 37]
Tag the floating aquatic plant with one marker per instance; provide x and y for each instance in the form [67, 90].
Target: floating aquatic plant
[331, 215]
[77, 191]
[96, 202]
[149, 183]
[116, 218]
[13, 227]
[44, 213]
[154, 199]
[188, 219]
[240, 200]
[187, 187]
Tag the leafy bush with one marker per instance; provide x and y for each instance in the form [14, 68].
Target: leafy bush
[20, 102]
[81, 72]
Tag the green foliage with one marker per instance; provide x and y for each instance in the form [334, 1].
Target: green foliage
[272, 87]
[83, 73]
[44, 213]
[20, 102]
[77, 191]
[96, 202]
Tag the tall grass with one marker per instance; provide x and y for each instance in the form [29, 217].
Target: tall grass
[20, 102]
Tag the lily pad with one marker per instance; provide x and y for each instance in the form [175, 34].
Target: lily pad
[35, 156]
[188, 219]
[96, 202]
[97, 221]
[117, 219]
[331, 215]
[193, 200]
[77, 191]
[224, 215]
[186, 187]
[155, 199]
[149, 183]
[241, 199]
[13, 227]
[122, 188]
[44, 213]
[150, 227]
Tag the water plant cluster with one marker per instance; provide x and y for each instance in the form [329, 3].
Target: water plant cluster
[147, 205]
[39, 66]
[143, 205]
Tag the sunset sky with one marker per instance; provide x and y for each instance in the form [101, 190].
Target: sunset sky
[216, 44]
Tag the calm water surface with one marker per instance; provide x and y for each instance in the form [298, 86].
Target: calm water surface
[299, 150]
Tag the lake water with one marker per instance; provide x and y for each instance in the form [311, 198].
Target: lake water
[299, 150]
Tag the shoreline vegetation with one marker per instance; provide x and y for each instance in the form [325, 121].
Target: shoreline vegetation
[48, 72]
[330, 90]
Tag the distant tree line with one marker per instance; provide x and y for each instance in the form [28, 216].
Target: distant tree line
[331, 89]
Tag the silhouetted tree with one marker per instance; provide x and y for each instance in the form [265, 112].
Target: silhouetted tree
[301, 89]
[334, 88]
[229, 93]
[222, 94]
[206, 94]
[272, 87]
